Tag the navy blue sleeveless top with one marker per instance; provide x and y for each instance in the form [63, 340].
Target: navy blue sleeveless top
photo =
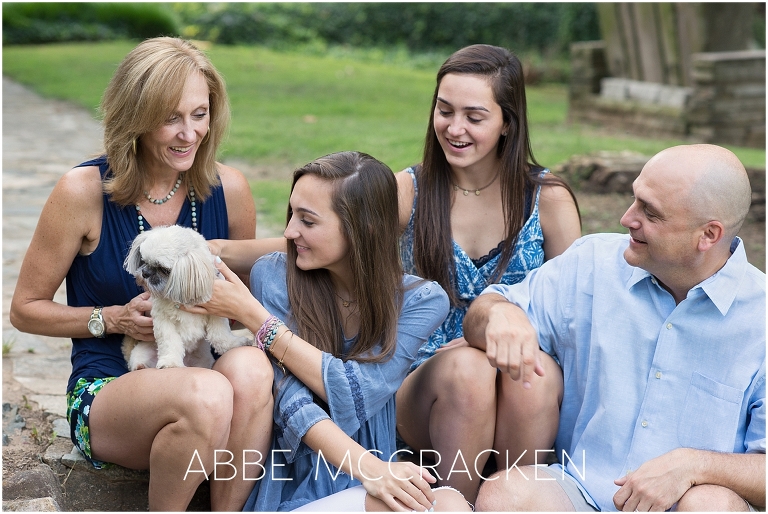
[99, 279]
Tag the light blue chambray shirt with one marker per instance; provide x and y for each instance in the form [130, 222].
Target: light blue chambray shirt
[643, 376]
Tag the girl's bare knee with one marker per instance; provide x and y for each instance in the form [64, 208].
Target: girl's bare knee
[206, 401]
[468, 380]
[249, 372]
[448, 499]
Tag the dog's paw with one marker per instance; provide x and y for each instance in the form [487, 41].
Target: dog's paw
[139, 366]
[245, 341]
[169, 363]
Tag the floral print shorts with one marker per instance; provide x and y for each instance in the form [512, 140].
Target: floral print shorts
[79, 402]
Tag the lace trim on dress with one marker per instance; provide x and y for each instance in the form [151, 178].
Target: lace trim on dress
[482, 261]
[485, 259]
[294, 407]
[357, 392]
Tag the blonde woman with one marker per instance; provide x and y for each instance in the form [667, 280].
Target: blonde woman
[165, 113]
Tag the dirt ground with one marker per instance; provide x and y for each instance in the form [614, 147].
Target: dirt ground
[26, 447]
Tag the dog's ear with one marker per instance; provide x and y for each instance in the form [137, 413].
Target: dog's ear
[191, 278]
[133, 259]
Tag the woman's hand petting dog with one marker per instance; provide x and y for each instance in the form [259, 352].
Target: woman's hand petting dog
[231, 297]
[134, 320]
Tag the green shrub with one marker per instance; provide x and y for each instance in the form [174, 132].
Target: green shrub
[420, 27]
[31, 23]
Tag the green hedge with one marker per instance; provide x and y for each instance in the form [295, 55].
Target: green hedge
[543, 27]
[420, 27]
[32, 23]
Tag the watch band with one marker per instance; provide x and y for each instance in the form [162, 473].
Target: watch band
[96, 325]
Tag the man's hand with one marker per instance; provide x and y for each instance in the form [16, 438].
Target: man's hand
[502, 329]
[656, 485]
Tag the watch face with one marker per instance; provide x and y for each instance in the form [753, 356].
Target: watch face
[96, 327]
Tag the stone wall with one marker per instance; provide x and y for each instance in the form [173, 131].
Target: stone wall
[728, 101]
[724, 105]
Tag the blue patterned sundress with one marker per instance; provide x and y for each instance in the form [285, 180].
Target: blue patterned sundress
[472, 280]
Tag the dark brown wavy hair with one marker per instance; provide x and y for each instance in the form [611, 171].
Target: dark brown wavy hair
[365, 198]
[519, 173]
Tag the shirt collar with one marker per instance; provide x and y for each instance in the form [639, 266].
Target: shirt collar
[721, 287]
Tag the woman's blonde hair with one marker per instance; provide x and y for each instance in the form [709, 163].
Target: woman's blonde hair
[365, 199]
[143, 93]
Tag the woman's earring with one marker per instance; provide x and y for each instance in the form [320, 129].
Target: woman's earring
[207, 136]
[134, 147]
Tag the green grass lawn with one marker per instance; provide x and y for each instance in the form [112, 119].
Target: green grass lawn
[289, 108]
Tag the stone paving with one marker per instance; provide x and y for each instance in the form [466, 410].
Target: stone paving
[42, 139]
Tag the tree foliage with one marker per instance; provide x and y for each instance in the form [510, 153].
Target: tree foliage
[547, 28]
[543, 27]
[32, 23]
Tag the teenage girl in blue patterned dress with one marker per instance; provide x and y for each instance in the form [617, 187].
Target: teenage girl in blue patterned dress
[476, 211]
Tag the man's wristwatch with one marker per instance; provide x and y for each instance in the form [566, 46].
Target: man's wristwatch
[96, 323]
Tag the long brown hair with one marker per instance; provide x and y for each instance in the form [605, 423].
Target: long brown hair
[518, 176]
[365, 199]
[145, 89]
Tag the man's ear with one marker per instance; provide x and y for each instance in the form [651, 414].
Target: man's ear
[712, 233]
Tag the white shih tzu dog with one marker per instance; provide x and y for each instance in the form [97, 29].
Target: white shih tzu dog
[175, 265]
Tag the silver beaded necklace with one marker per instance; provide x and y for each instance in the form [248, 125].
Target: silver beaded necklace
[169, 195]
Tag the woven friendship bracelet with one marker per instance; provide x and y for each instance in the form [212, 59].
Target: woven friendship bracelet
[263, 330]
[272, 333]
[266, 329]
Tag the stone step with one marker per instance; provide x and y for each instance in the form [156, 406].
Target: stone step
[66, 482]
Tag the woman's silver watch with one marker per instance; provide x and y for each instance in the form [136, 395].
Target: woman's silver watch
[96, 324]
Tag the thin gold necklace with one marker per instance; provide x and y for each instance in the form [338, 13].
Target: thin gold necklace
[345, 303]
[456, 187]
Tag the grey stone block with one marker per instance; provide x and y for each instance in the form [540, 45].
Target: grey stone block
[674, 96]
[614, 88]
[38, 482]
[644, 92]
[47, 504]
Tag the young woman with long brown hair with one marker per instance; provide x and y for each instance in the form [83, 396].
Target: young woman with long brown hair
[342, 324]
[479, 210]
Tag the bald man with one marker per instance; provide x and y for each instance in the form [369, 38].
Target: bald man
[661, 337]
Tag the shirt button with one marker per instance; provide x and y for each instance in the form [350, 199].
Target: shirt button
[654, 281]
[669, 325]
[644, 424]
[658, 374]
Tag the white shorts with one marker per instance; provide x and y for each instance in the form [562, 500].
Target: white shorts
[348, 500]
